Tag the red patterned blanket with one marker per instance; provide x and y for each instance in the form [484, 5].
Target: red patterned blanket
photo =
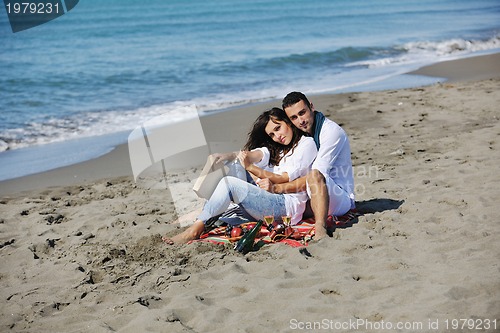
[302, 233]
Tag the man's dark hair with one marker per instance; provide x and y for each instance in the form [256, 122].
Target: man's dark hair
[293, 98]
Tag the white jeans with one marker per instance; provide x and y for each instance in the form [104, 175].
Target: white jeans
[339, 200]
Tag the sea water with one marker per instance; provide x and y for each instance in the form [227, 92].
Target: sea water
[107, 66]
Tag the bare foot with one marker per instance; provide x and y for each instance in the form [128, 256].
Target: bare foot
[191, 233]
[320, 232]
[181, 238]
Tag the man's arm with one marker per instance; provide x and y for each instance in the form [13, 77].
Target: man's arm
[247, 160]
[264, 174]
[297, 165]
[297, 185]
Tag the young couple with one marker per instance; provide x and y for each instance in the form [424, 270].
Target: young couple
[294, 154]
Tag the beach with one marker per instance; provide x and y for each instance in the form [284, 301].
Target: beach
[81, 245]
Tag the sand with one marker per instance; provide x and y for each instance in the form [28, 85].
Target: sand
[81, 247]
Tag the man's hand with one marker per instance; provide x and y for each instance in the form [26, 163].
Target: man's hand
[266, 184]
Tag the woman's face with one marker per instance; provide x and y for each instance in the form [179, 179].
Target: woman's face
[279, 131]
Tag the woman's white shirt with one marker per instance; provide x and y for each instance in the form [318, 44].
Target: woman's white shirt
[296, 163]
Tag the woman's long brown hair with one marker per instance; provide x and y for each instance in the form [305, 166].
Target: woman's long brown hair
[257, 137]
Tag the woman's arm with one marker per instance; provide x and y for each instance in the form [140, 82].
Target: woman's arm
[297, 165]
[247, 160]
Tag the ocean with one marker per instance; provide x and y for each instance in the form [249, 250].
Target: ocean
[106, 66]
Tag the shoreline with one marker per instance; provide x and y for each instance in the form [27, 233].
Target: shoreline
[116, 163]
[480, 67]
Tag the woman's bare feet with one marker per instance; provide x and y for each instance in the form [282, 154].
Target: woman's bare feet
[181, 238]
[191, 233]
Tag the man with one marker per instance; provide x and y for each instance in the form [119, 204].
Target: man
[330, 184]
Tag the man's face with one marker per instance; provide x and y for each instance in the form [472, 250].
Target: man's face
[301, 116]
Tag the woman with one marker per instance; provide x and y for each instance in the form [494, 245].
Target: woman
[276, 150]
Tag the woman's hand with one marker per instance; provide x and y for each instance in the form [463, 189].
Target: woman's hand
[244, 158]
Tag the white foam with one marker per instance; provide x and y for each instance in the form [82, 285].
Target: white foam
[102, 123]
[3, 146]
[413, 56]
[425, 52]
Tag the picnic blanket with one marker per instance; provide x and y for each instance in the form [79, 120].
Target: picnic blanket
[303, 232]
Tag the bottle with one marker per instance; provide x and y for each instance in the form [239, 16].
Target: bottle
[229, 228]
[278, 230]
[245, 244]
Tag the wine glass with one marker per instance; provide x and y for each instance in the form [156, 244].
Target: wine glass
[269, 219]
[287, 220]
